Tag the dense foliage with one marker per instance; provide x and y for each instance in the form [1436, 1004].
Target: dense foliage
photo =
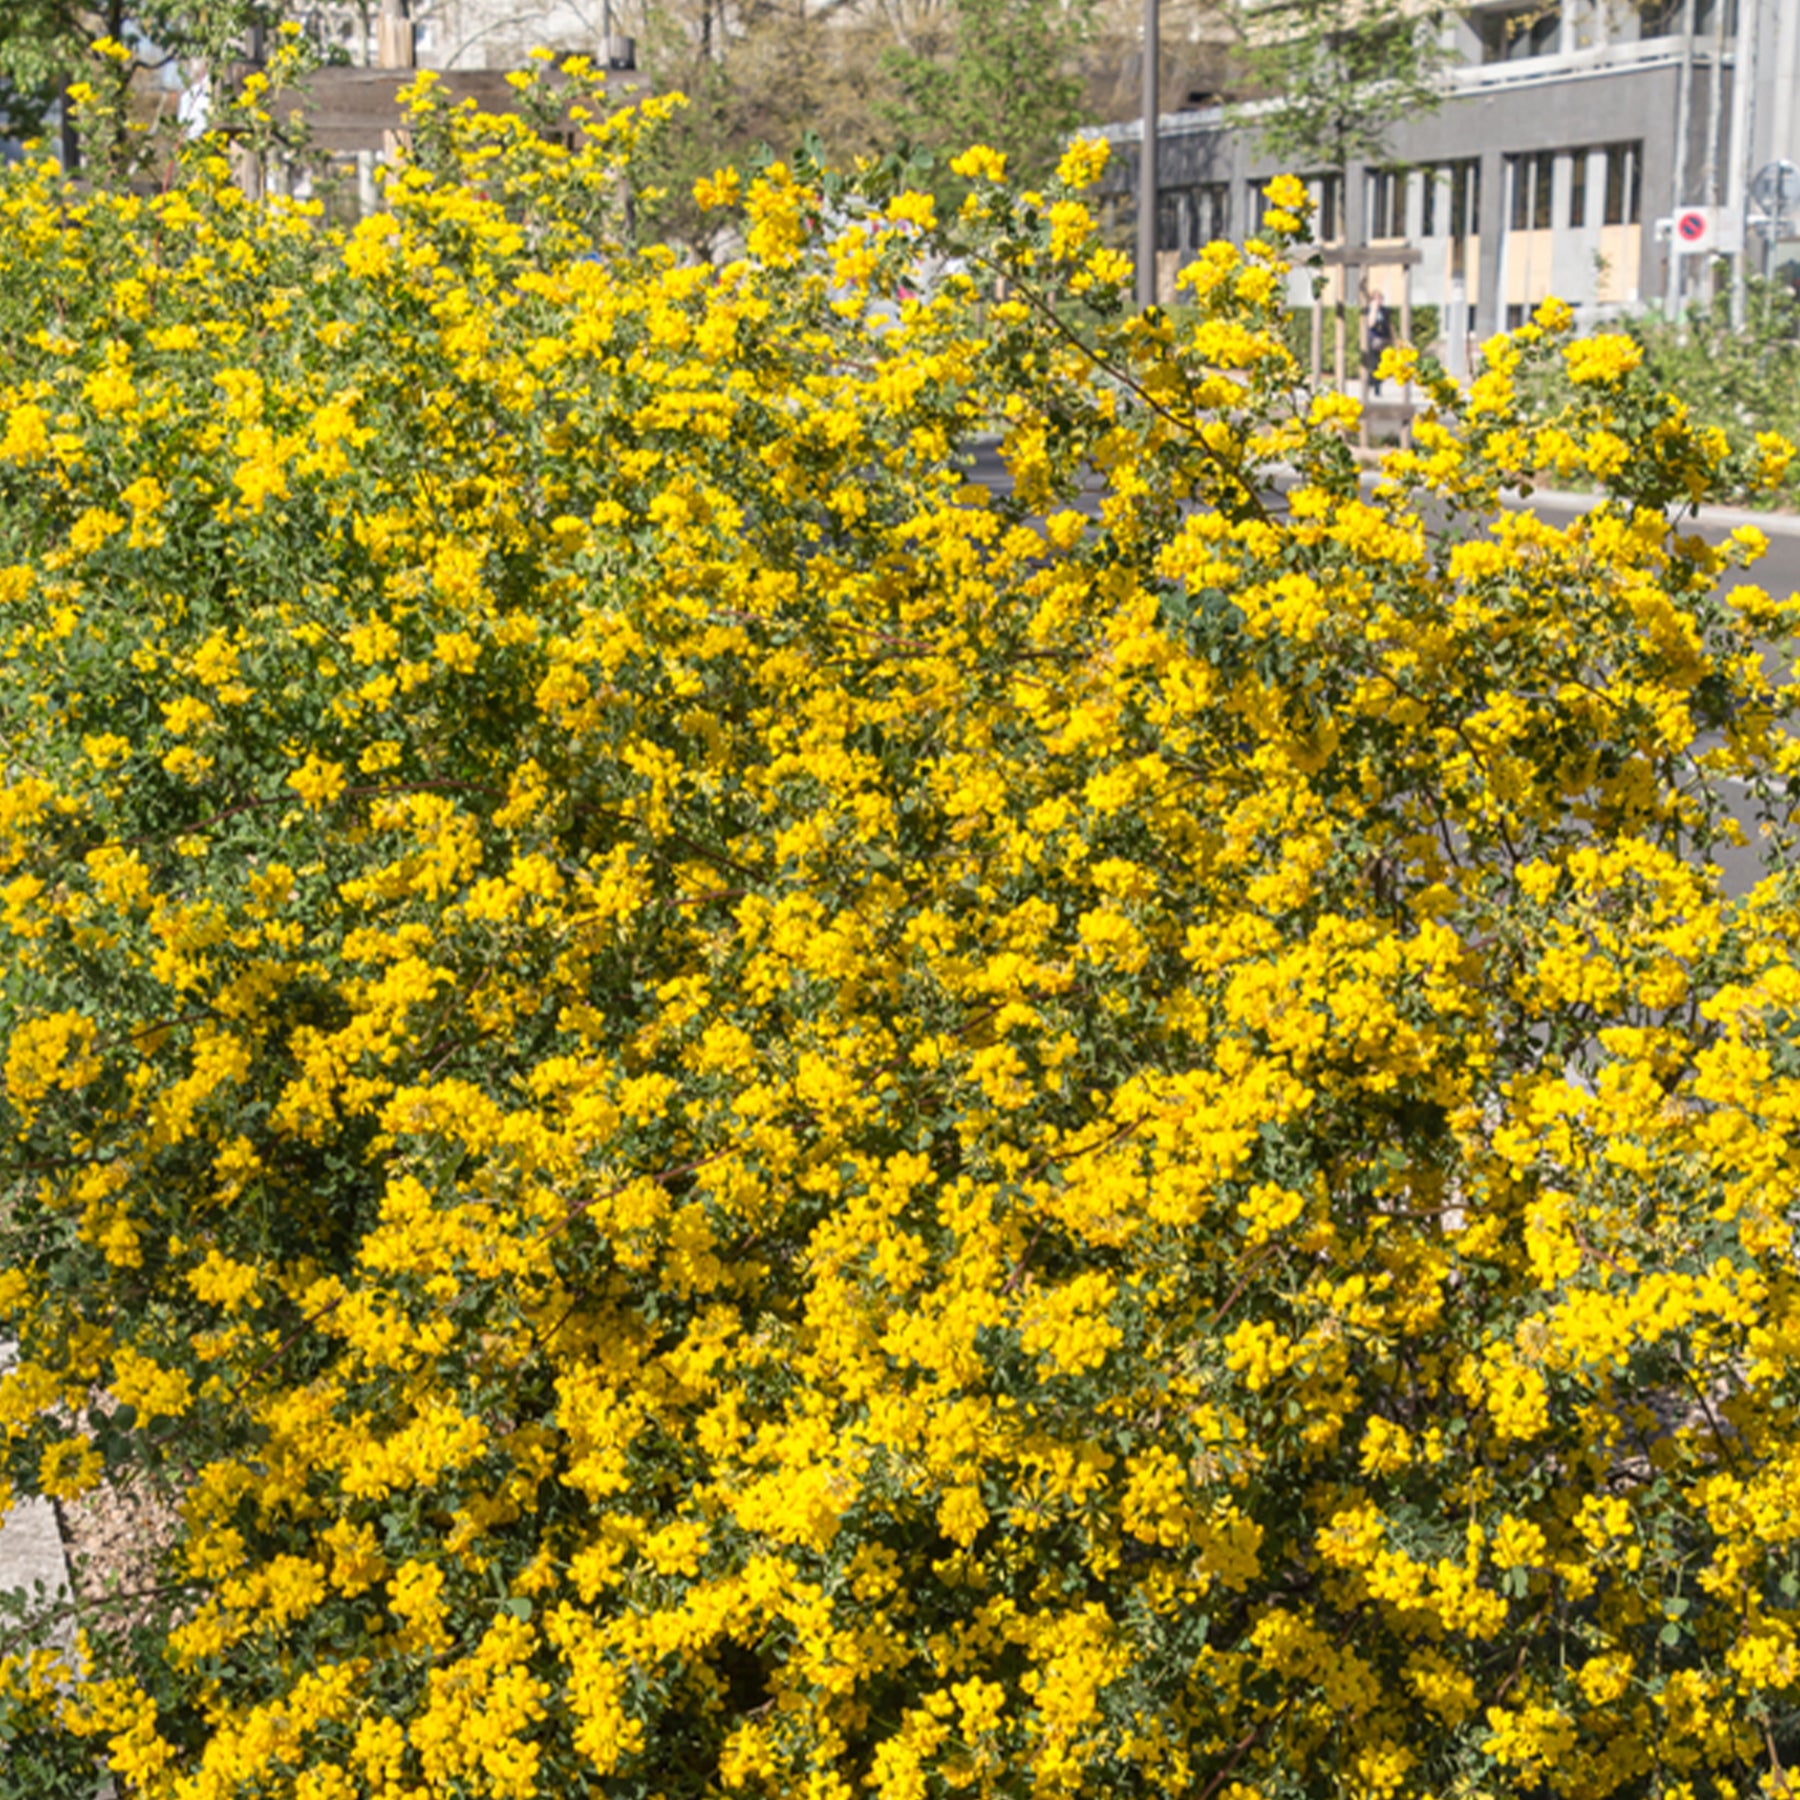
[734, 1118]
[1743, 378]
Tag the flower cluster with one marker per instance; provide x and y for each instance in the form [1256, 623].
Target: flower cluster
[734, 1118]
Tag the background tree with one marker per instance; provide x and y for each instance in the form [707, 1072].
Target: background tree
[781, 71]
[1007, 73]
[1331, 78]
[47, 45]
[865, 76]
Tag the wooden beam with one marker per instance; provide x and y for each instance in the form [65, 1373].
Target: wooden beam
[352, 109]
[1359, 256]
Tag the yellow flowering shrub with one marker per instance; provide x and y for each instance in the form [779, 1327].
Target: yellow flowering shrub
[733, 1118]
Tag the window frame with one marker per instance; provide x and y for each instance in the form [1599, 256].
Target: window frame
[1622, 200]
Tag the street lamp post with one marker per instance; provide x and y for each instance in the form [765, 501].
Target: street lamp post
[1146, 209]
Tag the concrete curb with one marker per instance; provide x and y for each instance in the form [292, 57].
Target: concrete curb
[34, 1561]
[1713, 518]
[31, 1550]
[31, 1545]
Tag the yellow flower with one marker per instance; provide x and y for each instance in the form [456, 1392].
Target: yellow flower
[185, 715]
[1774, 453]
[27, 433]
[721, 188]
[1399, 362]
[776, 209]
[1554, 315]
[1083, 162]
[915, 209]
[155, 1391]
[222, 1282]
[1071, 225]
[1604, 358]
[69, 1468]
[1290, 194]
[317, 781]
[979, 163]
[110, 390]
[1111, 268]
[93, 529]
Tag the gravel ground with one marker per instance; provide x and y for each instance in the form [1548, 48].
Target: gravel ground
[113, 1536]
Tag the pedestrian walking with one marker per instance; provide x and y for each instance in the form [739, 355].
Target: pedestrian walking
[1378, 333]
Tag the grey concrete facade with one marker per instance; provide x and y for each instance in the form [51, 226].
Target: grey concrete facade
[1583, 146]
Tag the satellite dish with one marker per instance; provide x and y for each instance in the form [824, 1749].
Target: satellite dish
[1776, 187]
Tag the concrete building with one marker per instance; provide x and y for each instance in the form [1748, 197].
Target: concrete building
[1574, 136]
[466, 34]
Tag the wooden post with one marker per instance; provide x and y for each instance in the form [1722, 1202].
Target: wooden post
[249, 169]
[394, 44]
[1406, 330]
[395, 48]
[1362, 352]
[1146, 222]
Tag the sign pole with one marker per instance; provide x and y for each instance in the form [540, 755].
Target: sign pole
[1146, 220]
[1743, 136]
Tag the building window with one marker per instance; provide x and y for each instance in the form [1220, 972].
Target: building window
[1118, 221]
[1663, 18]
[1465, 198]
[1169, 209]
[1450, 202]
[1533, 178]
[1190, 217]
[1387, 203]
[1512, 36]
[1624, 181]
[1211, 203]
[1327, 198]
[1578, 162]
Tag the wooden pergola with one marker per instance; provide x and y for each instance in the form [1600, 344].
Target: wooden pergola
[347, 110]
[357, 111]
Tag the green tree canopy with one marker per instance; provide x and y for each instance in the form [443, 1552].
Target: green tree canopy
[862, 80]
[1335, 75]
[48, 45]
[1006, 73]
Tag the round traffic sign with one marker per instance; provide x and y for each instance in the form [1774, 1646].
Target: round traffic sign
[1777, 187]
[1691, 226]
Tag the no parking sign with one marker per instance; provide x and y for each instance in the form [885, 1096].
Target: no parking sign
[1706, 231]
